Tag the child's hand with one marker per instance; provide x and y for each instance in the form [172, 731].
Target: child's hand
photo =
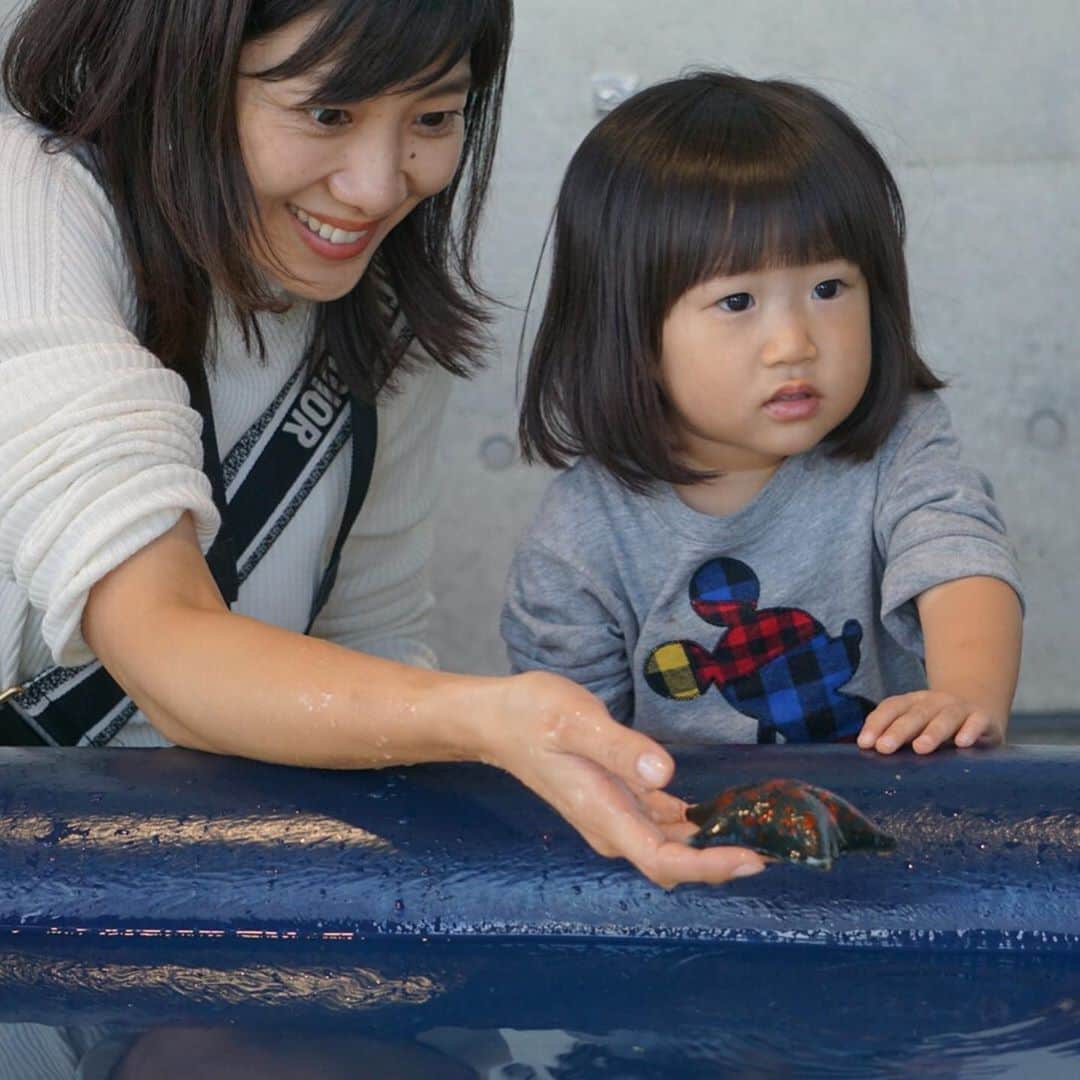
[605, 779]
[926, 719]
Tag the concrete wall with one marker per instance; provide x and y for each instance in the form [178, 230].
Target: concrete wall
[976, 105]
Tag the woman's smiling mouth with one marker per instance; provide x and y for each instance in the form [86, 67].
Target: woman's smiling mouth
[332, 238]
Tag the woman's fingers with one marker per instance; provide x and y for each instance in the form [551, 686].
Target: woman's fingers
[634, 758]
[604, 779]
[571, 720]
[664, 857]
[676, 864]
[615, 822]
[664, 809]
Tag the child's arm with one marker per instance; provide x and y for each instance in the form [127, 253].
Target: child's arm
[950, 588]
[558, 617]
[971, 629]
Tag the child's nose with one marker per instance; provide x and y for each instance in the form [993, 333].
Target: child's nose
[788, 342]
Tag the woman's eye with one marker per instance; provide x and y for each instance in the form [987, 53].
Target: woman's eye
[740, 301]
[435, 123]
[329, 118]
[828, 290]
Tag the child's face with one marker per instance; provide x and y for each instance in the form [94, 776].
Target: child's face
[762, 365]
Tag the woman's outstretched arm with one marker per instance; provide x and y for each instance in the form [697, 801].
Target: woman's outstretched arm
[216, 681]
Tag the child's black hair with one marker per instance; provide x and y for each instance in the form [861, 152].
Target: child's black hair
[704, 176]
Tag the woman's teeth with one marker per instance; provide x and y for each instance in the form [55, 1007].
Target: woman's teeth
[327, 232]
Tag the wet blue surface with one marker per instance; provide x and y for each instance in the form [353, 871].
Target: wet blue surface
[155, 888]
[633, 1010]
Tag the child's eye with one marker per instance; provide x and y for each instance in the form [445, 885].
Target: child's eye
[329, 118]
[828, 290]
[438, 123]
[740, 301]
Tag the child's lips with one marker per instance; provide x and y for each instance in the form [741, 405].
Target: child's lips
[794, 402]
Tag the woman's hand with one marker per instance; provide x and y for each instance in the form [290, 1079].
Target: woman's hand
[604, 778]
[232, 685]
[927, 719]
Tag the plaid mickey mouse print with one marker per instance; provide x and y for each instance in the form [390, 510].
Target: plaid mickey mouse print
[724, 592]
[777, 665]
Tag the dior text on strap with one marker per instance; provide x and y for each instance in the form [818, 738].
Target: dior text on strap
[258, 488]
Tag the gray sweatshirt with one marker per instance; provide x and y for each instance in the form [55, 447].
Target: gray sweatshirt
[786, 621]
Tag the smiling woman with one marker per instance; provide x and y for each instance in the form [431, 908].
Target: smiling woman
[340, 179]
[277, 98]
[235, 275]
[332, 180]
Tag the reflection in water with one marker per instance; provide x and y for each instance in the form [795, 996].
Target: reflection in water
[37, 1052]
[535, 1011]
[270, 985]
[109, 833]
[1047, 1047]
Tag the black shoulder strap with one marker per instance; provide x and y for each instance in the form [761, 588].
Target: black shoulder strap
[221, 558]
[68, 706]
[365, 438]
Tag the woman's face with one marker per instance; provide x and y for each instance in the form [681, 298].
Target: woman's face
[331, 180]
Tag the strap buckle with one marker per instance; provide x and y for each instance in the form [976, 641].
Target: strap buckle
[10, 692]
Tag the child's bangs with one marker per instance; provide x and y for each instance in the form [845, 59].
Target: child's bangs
[786, 221]
[359, 51]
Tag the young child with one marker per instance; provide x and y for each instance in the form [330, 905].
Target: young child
[769, 535]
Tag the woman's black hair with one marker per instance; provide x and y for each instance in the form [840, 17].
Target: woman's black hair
[705, 176]
[151, 86]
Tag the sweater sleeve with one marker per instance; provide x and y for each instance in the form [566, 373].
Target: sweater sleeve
[935, 519]
[100, 452]
[382, 601]
[559, 618]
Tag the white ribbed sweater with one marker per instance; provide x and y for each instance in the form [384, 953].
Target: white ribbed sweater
[100, 452]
